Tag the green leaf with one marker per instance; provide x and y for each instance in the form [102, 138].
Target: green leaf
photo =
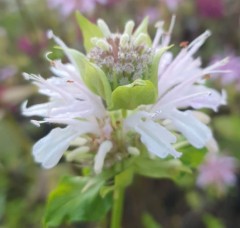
[77, 199]
[149, 222]
[88, 29]
[192, 157]
[212, 222]
[92, 76]
[55, 54]
[124, 178]
[228, 127]
[132, 95]
[160, 168]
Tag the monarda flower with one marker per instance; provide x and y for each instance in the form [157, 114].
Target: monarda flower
[126, 96]
[68, 7]
[217, 171]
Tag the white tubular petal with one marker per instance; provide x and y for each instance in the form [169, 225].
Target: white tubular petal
[133, 151]
[104, 148]
[157, 139]
[35, 110]
[212, 146]
[50, 149]
[71, 156]
[203, 117]
[79, 141]
[197, 133]
[198, 42]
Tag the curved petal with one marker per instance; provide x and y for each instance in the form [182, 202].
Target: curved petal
[50, 149]
[197, 133]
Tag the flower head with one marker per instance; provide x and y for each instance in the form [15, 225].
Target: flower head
[70, 6]
[123, 97]
[231, 71]
[211, 9]
[217, 171]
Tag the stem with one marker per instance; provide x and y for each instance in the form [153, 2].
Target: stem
[118, 197]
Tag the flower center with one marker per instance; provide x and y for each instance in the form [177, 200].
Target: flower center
[122, 58]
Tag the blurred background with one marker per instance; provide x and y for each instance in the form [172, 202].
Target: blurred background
[149, 203]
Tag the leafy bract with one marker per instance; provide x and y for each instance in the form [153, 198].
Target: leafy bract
[88, 29]
[143, 28]
[77, 199]
[92, 76]
[159, 168]
[153, 77]
[140, 92]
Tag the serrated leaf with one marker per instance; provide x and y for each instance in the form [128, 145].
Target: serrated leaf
[77, 199]
[88, 29]
[92, 76]
[130, 96]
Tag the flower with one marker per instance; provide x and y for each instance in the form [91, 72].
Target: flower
[172, 4]
[211, 9]
[231, 71]
[119, 99]
[70, 6]
[217, 171]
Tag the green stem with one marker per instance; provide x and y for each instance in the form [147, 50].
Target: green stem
[118, 197]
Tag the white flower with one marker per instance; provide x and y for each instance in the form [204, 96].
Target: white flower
[86, 113]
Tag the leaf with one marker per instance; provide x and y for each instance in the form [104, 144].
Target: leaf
[92, 76]
[132, 95]
[192, 157]
[149, 222]
[55, 54]
[228, 127]
[77, 199]
[212, 222]
[160, 168]
[88, 29]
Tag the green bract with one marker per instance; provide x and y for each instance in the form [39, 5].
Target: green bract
[131, 96]
[120, 68]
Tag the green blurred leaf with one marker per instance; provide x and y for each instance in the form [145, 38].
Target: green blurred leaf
[77, 199]
[88, 29]
[228, 127]
[55, 54]
[132, 95]
[192, 157]
[212, 222]
[149, 222]
[124, 178]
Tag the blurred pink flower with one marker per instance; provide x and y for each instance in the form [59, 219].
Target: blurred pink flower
[232, 68]
[210, 9]
[217, 171]
[66, 7]
[152, 13]
[172, 4]
[30, 47]
[7, 72]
